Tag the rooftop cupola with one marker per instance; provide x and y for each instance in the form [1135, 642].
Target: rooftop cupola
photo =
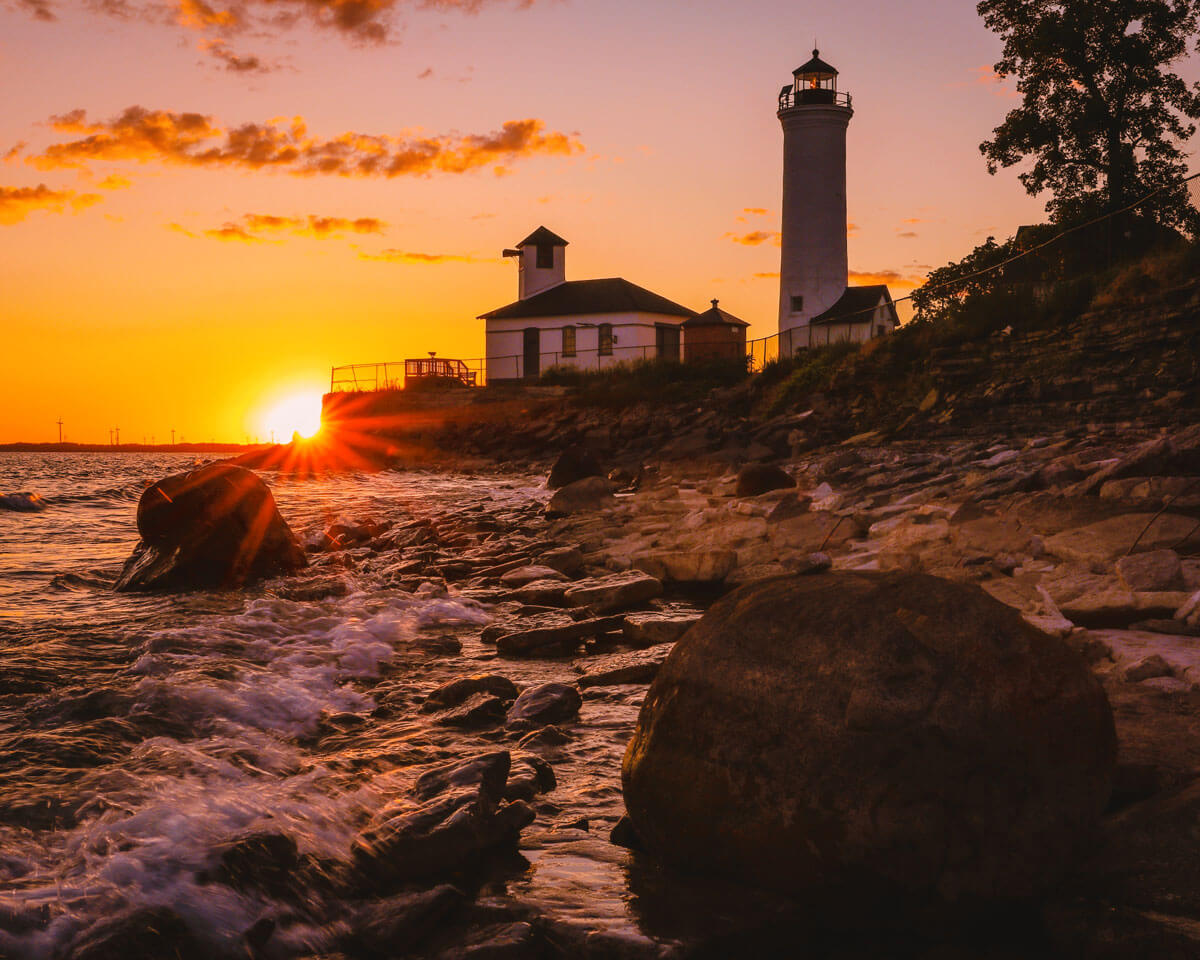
[813, 83]
[541, 263]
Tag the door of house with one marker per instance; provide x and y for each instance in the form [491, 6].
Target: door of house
[666, 337]
[533, 353]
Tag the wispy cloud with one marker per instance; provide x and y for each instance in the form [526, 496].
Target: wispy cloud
[17, 203]
[259, 227]
[907, 235]
[986, 76]
[141, 135]
[755, 238]
[406, 256]
[115, 181]
[767, 275]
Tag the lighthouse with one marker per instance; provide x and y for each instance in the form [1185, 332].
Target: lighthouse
[813, 269]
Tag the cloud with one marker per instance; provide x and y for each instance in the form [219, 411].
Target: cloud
[369, 21]
[914, 220]
[405, 256]
[13, 152]
[755, 211]
[425, 74]
[851, 229]
[986, 76]
[770, 275]
[17, 203]
[893, 278]
[755, 238]
[232, 231]
[140, 135]
[219, 50]
[115, 182]
[907, 235]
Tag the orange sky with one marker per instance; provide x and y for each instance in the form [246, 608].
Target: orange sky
[205, 206]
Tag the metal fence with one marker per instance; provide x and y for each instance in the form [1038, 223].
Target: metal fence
[375, 377]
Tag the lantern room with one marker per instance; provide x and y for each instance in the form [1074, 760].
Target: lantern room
[815, 82]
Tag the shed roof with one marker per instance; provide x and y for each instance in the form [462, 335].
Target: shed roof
[542, 235]
[714, 317]
[856, 305]
[611, 295]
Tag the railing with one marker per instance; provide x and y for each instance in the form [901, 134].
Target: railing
[809, 97]
[376, 377]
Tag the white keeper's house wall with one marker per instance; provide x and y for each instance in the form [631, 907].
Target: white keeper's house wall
[635, 337]
[527, 337]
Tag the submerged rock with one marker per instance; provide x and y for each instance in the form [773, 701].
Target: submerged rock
[138, 932]
[212, 527]
[545, 704]
[872, 739]
[23, 502]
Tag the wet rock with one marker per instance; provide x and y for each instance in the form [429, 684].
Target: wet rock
[449, 834]
[566, 560]
[1147, 668]
[485, 774]
[544, 704]
[554, 640]
[624, 834]
[687, 566]
[814, 531]
[530, 776]
[581, 496]
[529, 574]
[758, 478]
[547, 738]
[261, 861]
[23, 502]
[887, 738]
[543, 593]
[478, 710]
[458, 691]
[445, 646]
[518, 940]
[651, 629]
[394, 926]
[212, 527]
[1157, 570]
[573, 464]
[640, 666]
[139, 932]
[790, 505]
[619, 592]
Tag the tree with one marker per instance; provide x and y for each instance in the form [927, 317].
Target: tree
[1102, 117]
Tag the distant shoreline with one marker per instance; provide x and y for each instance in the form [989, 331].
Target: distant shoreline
[130, 447]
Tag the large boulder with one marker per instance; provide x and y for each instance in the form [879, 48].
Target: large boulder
[873, 741]
[212, 527]
[759, 478]
[582, 496]
[574, 463]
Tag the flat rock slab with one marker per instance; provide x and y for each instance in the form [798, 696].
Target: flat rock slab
[607, 594]
[1130, 648]
[1109, 539]
[530, 574]
[687, 566]
[651, 629]
[555, 640]
[638, 666]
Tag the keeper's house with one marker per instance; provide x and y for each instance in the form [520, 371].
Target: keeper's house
[586, 324]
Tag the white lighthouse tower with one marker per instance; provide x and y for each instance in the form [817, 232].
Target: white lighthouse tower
[813, 268]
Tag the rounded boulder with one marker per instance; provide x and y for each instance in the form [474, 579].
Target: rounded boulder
[874, 739]
[216, 526]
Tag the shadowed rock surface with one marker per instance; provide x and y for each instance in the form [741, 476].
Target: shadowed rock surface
[212, 527]
[888, 738]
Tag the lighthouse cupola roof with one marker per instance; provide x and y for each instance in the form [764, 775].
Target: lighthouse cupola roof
[816, 69]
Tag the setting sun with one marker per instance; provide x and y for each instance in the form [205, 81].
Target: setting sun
[296, 413]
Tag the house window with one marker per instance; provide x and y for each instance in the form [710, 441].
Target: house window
[568, 346]
[606, 339]
[545, 256]
[797, 304]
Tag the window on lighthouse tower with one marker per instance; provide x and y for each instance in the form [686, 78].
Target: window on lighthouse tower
[797, 304]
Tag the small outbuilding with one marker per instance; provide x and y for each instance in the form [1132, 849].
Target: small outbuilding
[861, 314]
[714, 334]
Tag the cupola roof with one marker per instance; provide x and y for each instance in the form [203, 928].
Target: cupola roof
[816, 68]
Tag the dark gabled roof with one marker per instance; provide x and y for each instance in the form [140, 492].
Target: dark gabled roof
[714, 317]
[613, 295]
[856, 305]
[816, 66]
[542, 235]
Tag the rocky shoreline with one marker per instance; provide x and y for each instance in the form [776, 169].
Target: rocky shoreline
[1093, 539]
